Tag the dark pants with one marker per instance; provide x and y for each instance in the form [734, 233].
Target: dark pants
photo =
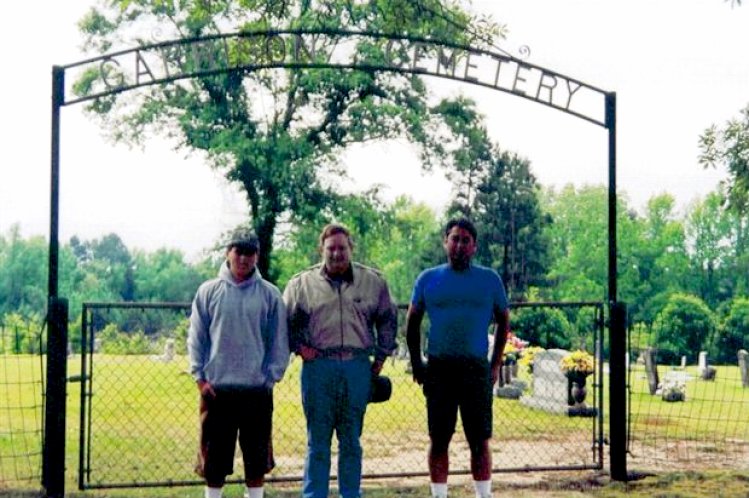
[246, 413]
[459, 384]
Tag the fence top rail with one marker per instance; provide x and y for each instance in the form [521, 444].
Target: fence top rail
[557, 304]
[401, 306]
[136, 305]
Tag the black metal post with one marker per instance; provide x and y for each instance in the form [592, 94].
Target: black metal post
[617, 324]
[53, 465]
[611, 126]
[53, 452]
[58, 95]
[617, 392]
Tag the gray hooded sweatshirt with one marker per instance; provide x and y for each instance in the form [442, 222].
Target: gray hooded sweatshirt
[238, 334]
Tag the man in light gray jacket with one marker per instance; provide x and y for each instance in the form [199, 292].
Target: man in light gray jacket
[238, 347]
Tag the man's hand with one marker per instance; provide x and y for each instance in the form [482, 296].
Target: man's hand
[308, 353]
[206, 389]
[495, 372]
[419, 371]
[377, 366]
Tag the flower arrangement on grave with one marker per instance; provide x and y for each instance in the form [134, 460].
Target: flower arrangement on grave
[528, 356]
[674, 390]
[510, 355]
[577, 364]
[514, 349]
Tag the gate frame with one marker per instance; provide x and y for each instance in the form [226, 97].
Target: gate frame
[86, 435]
[53, 464]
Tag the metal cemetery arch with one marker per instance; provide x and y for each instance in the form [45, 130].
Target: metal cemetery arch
[169, 61]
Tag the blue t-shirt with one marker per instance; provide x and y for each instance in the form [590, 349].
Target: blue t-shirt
[460, 306]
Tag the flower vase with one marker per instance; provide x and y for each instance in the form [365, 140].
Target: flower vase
[576, 391]
[506, 375]
[579, 392]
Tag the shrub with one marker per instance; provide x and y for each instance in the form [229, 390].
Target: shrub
[734, 332]
[546, 327]
[684, 327]
[19, 335]
[115, 342]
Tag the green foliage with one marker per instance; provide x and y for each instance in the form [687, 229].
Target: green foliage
[508, 214]
[658, 263]
[498, 191]
[23, 274]
[729, 146]
[279, 153]
[685, 327]
[542, 326]
[180, 336]
[164, 275]
[578, 233]
[733, 333]
[123, 343]
[708, 231]
[19, 335]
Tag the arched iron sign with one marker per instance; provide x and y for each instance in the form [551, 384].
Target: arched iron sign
[170, 61]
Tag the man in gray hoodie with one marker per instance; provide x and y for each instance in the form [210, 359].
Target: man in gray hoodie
[238, 347]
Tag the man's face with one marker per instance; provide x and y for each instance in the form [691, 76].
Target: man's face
[336, 254]
[242, 262]
[459, 246]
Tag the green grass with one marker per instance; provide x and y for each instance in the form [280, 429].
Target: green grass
[708, 484]
[144, 426]
[713, 410]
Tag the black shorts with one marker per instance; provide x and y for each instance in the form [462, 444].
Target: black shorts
[463, 384]
[244, 412]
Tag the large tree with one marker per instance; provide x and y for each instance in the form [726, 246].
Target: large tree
[729, 146]
[708, 229]
[276, 132]
[508, 212]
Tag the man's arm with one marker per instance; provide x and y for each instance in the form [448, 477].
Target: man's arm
[297, 322]
[501, 331]
[386, 323]
[277, 351]
[414, 316]
[199, 344]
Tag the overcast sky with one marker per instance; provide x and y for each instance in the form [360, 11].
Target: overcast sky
[676, 66]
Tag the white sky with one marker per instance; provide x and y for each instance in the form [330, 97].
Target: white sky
[676, 66]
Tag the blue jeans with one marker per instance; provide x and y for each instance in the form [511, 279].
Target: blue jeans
[334, 396]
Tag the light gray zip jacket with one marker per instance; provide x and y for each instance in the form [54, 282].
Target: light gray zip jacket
[356, 316]
[238, 334]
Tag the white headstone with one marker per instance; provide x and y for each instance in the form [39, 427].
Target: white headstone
[744, 367]
[651, 370]
[702, 362]
[168, 350]
[549, 383]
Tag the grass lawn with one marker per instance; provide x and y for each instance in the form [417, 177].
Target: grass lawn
[707, 484]
[144, 427]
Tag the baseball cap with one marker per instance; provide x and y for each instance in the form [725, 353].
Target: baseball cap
[244, 240]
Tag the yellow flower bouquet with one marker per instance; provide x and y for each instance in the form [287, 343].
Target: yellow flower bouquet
[577, 363]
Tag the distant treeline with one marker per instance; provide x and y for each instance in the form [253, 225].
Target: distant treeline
[548, 245]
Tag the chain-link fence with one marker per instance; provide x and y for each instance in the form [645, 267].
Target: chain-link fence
[21, 405]
[139, 412]
[689, 404]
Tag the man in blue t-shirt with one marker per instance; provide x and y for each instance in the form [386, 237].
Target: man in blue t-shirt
[461, 300]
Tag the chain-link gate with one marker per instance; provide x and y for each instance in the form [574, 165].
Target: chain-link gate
[139, 412]
[686, 406]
